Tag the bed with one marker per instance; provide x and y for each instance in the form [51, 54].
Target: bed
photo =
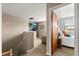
[68, 41]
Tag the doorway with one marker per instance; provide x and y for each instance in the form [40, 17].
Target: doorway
[62, 37]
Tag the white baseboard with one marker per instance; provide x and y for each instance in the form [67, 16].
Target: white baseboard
[48, 54]
[28, 51]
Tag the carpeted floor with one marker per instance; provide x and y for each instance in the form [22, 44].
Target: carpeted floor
[38, 51]
[41, 51]
[64, 51]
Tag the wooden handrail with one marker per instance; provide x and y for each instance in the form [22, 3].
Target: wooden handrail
[8, 53]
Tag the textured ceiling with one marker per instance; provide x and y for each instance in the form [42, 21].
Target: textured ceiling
[26, 10]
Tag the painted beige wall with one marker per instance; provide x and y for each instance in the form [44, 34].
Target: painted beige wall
[12, 26]
[12, 29]
[42, 31]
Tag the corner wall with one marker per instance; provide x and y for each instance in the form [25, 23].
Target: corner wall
[76, 29]
[48, 17]
[0, 29]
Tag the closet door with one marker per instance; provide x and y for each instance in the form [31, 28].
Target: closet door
[54, 32]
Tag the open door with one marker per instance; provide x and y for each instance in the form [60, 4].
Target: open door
[54, 32]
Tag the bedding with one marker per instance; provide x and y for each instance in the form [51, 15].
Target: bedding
[68, 41]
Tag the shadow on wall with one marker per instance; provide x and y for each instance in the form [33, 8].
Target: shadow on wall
[14, 44]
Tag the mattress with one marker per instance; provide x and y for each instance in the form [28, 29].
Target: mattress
[68, 41]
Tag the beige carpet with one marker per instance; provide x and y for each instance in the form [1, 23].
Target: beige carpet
[64, 51]
[41, 51]
[38, 51]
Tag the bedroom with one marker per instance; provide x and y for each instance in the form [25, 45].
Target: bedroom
[65, 29]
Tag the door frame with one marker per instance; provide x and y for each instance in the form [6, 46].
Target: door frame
[49, 39]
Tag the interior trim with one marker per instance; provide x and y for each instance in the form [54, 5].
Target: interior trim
[67, 46]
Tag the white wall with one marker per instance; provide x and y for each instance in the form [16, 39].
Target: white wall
[0, 28]
[42, 31]
[76, 29]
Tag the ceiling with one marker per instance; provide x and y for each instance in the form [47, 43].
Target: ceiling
[65, 11]
[26, 10]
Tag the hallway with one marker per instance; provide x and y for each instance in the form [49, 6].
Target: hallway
[38, 51]
[41, 51]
